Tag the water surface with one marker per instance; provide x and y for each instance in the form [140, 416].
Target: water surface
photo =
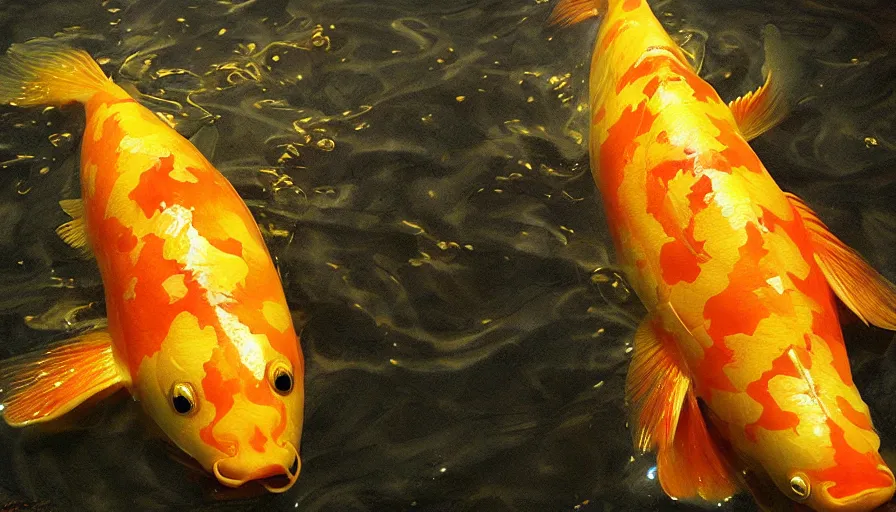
[419, 170]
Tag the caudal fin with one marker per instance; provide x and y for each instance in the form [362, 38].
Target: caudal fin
[570, 12]
[45, 72]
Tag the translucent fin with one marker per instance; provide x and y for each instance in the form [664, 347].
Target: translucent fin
[45, 72]
[667, 417]
[759, 111]
[693, 47]
[46, 384]
[74, 208]
[570, 12]
[693, 465]
[655, 387]
[206, 140]
[861, 288]
[74, 232]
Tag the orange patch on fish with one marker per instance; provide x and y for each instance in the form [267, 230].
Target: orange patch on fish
[679, 263]
[743, 282]
[772, 417]
[853, 472]
[220, 392]
[697, 198]
[258, 440]
[616, 153]
[737, 150]
[613, 32]
[825, 324]
[230, 245]
[855, 417]
[148, 194]
[680, 257]
[650, 65]
[666, 67]
[155, 313]
[103, 154]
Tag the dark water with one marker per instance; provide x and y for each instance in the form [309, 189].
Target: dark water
[419, 170]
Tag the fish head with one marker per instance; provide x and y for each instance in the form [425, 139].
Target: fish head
[858, 479]
[826, 464]
[230, 399]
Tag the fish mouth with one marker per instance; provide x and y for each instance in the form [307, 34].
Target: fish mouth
[874, 498]
[284, 481]
[276, 478]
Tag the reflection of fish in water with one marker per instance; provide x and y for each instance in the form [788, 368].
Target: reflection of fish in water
[737, 276]
[199, 328]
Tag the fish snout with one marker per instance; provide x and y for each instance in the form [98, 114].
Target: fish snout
[869, 498]
[276, 471]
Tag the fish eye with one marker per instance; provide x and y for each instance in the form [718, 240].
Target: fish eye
[183, 398]
[799, 485]
[280, 375]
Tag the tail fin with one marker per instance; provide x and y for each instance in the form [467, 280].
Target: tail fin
[570, 12]
[45, 72]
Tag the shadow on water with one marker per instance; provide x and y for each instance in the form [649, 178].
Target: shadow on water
[419, 170]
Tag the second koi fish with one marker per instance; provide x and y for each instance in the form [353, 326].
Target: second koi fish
[739, 377]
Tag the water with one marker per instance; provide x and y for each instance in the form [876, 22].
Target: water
[419, 170]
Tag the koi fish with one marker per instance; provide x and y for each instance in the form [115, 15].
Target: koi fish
[199, 330]
[739, 377]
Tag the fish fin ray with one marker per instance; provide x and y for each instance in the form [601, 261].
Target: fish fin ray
[74, 208]
[693, 464]
[667, 417]
[655, 387]
[570, 12]
[46, 72]
[856, 283]
[74, 233]
[43, 385]
[758, 111]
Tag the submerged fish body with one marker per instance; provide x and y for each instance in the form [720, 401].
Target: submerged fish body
[741, 365]
[199, 329]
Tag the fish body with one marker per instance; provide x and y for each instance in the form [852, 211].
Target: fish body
[741, 364]
[199, 329]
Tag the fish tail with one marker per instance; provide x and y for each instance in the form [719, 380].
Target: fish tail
[570, 12]
[46, 72]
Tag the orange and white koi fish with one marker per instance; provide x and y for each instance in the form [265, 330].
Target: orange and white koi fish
[199, 329]
[739, 377]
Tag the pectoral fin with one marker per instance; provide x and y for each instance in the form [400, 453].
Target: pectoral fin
[74, 232]
[44, 385]
[855, 282]
[570, 12]
[759, 111]
[666, 416]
